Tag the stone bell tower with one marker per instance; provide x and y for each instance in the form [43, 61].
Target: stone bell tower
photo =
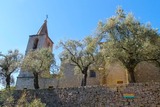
[37, 41]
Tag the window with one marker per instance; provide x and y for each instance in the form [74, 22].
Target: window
[92, 73]
[35, 43]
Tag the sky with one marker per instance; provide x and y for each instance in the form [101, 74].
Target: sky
[67, 19]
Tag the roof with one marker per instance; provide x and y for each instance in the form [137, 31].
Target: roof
[43, 30]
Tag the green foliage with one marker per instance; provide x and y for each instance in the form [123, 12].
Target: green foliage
[4, 94]
[9, 102]
[37, 103]
[6, 98]
[23, 102]
[129, 41]
[39, 61]
[9, 63]
[81, 54]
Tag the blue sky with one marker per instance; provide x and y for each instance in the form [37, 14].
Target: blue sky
[67, 19]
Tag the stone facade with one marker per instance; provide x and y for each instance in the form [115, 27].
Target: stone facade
[147, 72]
[116, 74]
[72, 79]
[144, 95]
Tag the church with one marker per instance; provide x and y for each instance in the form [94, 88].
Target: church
[69, 78]
[116, 73]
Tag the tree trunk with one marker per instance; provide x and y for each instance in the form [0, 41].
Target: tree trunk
[132, 76]
[84, 79]
[130, 67]
[36, 84]
[8, 79]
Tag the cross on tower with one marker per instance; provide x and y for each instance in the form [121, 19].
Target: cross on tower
[46, 17]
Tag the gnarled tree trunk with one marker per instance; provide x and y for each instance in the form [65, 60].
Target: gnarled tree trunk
[8, 79]
[84, 78]
[130, 67]
[36, 84]
[131, 74]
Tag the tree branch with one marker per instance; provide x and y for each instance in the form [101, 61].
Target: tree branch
[13, 70]
[76, 64]
[73, 58]
[67, 49]
[81, 61]
[1, 73]
[91, 55]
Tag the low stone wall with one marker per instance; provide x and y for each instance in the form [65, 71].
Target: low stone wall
[145, 95]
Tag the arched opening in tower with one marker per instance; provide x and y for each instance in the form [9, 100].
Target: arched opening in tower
[35, 43]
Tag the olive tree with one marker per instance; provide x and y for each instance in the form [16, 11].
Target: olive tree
[9, 63]
[39, 63]
[82, 54]
[128, 40]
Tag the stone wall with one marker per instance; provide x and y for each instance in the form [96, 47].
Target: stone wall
[145, 95]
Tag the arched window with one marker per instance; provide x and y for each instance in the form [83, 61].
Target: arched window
[35, 43]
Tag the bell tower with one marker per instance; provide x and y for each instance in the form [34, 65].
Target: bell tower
[40, 40]
[37, 41]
